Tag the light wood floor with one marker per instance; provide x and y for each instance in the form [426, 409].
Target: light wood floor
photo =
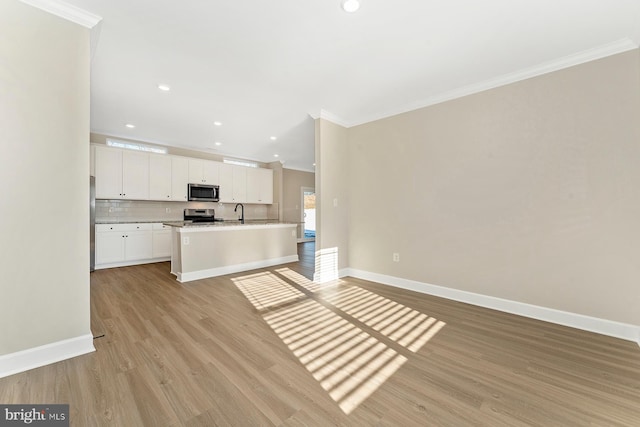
[268, 347]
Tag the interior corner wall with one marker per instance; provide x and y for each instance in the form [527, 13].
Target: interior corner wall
[44, 179]
[332, 200]
[276, 210]
[528, 192]
[293, 181]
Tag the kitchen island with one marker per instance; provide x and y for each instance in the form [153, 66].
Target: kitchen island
[199, 251]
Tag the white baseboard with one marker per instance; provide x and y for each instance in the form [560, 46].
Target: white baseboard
[130, 263]
[230, 269]
[36, 357]
[592, 324]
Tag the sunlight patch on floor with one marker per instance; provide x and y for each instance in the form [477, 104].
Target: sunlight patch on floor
[407, 327]
[321, 325]
[347, 362]
[299, 279]
[265, 290]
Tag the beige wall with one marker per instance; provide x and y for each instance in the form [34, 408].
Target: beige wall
[44, 178]
[293, 181]
[528, 192]
[332, 207]
[275, 210]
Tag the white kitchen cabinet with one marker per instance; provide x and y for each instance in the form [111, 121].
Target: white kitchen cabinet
[259, 186]
[109, 246]
[123, 244]
[226, 183]
[204, 172]
[240, 184]
[179, 178]
[126, 174]
[160, 178]
[161, 241]
[233, 184]
[135, 175]
[121, 174]
[108, 173]
[138, 245]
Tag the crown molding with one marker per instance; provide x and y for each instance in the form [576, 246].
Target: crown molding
[619, 46]
[324, 114]
[298, 169]
[66, 11]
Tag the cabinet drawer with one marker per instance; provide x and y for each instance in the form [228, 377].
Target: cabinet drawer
[105, 228]
[160, 226]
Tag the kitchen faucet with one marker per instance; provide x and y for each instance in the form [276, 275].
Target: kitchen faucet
[241, 212]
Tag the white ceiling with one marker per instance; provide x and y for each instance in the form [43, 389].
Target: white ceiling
[262, 67]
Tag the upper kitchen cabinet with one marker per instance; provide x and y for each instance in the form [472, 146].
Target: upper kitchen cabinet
[159, 177]
[226, 183]
[179, 178]
[108, 173]
[204, 172]
[233, 184]
[135, 175]
[121, 174]
[260, 186]
[240, 184]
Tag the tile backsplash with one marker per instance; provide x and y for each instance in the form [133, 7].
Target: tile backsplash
[140, 210]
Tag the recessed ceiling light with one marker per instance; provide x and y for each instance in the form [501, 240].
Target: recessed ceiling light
[217, 123]
[273, 138]
[164, 88]
[218, 143]
[276, 155]
[314, 164]
[350, 6]
[130, 126]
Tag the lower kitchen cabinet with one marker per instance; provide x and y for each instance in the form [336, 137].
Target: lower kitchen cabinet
[129, 244]
[161, 241]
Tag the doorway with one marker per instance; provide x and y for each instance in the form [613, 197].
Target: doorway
[308, 203]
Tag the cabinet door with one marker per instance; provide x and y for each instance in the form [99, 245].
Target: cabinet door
[161, 243]
[266, 186]
[135, 175]
[239, 184]
[109, 247]
[260, 186]
[211, 172]
[159, 177]
[138, 245]
[226, 183]
[195, 171]
[253, 185]
[108, 170]
[179, 178]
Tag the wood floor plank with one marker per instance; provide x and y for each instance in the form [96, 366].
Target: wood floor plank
[246, 349]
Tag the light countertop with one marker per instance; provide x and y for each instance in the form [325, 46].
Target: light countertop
[226, 223]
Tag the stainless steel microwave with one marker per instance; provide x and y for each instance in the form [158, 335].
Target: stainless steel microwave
[203, 193]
